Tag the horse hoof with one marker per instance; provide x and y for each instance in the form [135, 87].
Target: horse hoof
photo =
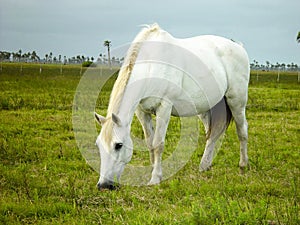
[244, 168]
[154, 181]
[204, 168]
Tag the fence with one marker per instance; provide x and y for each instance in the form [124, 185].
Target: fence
[275, 76]
[47, 69]
[75, 69]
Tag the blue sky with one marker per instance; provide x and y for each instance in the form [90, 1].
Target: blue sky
[267, 28]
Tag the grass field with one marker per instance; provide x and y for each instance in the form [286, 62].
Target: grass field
[45, 180]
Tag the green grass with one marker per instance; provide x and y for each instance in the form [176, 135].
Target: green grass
[45, 180]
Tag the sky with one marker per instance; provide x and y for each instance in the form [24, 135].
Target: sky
[267, 28]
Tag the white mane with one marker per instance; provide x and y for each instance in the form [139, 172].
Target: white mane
[124, 75]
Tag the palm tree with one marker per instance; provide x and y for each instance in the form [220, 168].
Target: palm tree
[34, 56]
[107, 44]
[298, 37]
[78, 59]
[50, 57]
[268, 65]
[26, 56]
[19, 54]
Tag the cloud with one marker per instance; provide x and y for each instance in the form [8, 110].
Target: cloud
[267, 28]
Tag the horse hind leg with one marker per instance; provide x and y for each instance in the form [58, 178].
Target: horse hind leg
[239, 115]
[215, 121]
[242, 131]
[207, 157]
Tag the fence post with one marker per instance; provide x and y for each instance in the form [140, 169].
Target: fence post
[278, 75]
[298, 76]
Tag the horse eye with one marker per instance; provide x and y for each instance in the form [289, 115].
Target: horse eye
[118, 146]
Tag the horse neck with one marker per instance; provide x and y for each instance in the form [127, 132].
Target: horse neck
[128, 105]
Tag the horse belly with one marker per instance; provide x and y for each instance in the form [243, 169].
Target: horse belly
[198, 95]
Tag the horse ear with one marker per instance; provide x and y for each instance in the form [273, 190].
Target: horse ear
[100, 119]
[116, 119]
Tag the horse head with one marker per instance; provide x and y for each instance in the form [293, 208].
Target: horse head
[115, 146]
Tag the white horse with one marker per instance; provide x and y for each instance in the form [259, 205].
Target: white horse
[206, 76]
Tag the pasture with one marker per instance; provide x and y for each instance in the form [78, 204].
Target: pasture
[45, 180]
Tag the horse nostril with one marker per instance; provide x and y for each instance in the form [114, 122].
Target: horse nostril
[111, 187]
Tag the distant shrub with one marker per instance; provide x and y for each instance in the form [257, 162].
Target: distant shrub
[87, 64]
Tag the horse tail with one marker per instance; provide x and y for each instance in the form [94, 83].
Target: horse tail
[219, 118]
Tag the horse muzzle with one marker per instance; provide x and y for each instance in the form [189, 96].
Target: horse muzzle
[109, 185]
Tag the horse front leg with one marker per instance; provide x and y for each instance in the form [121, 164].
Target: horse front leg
[163, 114]
[146, 122]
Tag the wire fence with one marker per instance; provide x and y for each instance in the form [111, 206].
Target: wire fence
[49, 69]
[275, 76]
[257, 76]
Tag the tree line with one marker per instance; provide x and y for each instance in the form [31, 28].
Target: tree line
[255, 65]
[19, 56]
[50, 58]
